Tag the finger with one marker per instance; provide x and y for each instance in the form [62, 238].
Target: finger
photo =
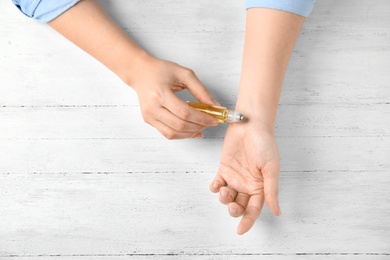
[227, 195]
[182, 110]
[197, 89]
[217, 183]
[237, 208]
[271, 183]
[252, 212]
[176, 123]
[171, 134]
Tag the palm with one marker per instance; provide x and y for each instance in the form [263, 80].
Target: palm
[249, 167]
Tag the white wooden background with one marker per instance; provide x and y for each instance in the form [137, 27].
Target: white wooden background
[83, 177]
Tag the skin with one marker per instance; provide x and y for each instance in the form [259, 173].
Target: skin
[154, 80]
[249, 170]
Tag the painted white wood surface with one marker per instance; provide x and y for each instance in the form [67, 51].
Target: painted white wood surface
[82, 177]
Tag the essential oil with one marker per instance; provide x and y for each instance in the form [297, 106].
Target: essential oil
[222, 114]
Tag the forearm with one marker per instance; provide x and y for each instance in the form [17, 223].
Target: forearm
[90, 28]
[269, 42]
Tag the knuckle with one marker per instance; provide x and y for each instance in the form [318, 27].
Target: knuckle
[170, 135]
[145, 116]
[184, 114]
[180, 126]
[146, 108]
[189, 73]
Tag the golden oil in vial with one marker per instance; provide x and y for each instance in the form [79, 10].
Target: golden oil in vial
[222, 114]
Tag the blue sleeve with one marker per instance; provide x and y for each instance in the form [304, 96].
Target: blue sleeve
[300, 7]
[44, 10]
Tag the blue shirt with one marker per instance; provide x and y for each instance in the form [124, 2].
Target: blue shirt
[47, 10]
[44, 10]
[300, 7]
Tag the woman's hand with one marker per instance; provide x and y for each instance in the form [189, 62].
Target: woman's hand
[155, 82]
[249, 170]
[248, 173]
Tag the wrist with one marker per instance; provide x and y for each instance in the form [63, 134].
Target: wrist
[257, 112]
[134, 67]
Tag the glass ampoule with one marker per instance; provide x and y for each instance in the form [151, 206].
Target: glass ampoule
[222, 114]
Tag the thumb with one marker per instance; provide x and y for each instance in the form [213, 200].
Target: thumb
[271, 182]
[217, 183]
[198, 90]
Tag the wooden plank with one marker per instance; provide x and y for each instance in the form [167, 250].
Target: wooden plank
[165, 213]
[139, 155]
[342, 256]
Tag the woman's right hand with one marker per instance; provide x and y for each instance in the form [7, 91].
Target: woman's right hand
[155, 82]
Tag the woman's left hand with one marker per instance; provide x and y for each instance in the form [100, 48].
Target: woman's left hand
[248, 173]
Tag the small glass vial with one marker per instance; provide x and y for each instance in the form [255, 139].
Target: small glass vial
[222, 114]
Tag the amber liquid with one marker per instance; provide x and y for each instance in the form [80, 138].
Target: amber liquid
[219, 113]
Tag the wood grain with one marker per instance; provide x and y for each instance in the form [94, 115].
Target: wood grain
[83, 177]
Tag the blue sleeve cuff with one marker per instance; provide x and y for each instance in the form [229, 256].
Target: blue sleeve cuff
[44, 10]
[300, 7]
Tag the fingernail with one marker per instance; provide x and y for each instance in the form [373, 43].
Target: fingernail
[279, 211]
[215, 185]
[224, 192]
[216, 103]
[215, 123]
[198, 135]
[233, 210]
